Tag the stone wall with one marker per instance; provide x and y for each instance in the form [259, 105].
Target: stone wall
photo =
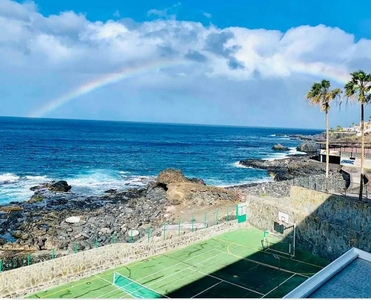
[326, 225]
[33, 278]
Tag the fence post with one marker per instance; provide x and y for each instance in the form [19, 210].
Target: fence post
[114, 238]
[131, 235]
[96, 243]
[75, 247]
[164, 230]
[227, 214]
[53, 254]
[28, 259]
[149, 233]
[179, 228]
[1, 265]
[193, 219]
[205, 220]
[216, 216]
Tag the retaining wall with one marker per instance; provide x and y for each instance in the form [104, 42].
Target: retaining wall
[33, 278]
[326, 225]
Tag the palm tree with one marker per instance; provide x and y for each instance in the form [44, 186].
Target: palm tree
[359, 88]
[321, 95]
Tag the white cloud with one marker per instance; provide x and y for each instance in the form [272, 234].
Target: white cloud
[253, 71]
[168, 12]
[207, 15]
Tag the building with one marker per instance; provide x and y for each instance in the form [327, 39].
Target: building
[346, 277]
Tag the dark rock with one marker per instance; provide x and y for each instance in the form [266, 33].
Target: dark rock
[37, 197]
[289, 168]
[308, 147]
[197, 180]
[111, 191]
[279, 147]
[17, 234]
[60, 186]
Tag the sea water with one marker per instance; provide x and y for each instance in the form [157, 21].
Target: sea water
[94, 156]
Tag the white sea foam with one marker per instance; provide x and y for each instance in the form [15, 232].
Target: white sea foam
[238, 165]
[98, 181]
[8, 178]
[17, 188]
[283, 155]
[253, 180]
[95, 182]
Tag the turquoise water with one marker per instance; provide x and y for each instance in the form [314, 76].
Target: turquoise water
[94, 156]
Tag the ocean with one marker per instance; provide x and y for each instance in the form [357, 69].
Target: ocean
[94, 156]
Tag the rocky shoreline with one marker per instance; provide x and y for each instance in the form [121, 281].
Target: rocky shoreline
[56, 219]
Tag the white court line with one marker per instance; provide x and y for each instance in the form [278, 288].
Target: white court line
[279, 285]
[226, 281]
[104, 296]
[263, 264]
[168, 267]
[110, 284]
[141, 288]
[207, 289]
[172, 274]
[179, 263]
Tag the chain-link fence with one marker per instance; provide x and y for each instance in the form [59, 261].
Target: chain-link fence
[200, 220]
[197, 221]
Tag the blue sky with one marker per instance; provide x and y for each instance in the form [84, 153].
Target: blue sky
[241, 62]
[351, 16]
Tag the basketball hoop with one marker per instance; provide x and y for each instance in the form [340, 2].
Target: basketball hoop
[286, 229]
[282, 221]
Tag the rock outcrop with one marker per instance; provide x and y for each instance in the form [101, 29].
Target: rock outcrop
[171, 176]
[182, 190]
[309, 147]
[188, 193]
[289, 168]
[279, 147]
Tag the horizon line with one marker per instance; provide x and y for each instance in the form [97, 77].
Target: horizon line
[159, 122]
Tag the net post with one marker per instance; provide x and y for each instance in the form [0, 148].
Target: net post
[265, 242]
[1, 265]
[53, 253]
[164, 230]
[114, 238]
[131, 235]
[294, 241]
[75, 247]
[179, 227]
[205, 222]
[149, 233]
[96, 243]
[28, 259]
[216, 216]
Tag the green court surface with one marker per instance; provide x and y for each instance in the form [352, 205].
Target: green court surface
[230, 265]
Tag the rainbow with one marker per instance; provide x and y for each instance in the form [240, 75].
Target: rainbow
[321, 71]
[100, 82]
[317, 70]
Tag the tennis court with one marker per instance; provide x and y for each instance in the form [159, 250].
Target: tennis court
[230, 265]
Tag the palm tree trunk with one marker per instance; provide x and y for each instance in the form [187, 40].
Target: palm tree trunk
[327, 154]
[362, 151]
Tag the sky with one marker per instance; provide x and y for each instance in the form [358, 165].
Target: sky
[240, 62]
